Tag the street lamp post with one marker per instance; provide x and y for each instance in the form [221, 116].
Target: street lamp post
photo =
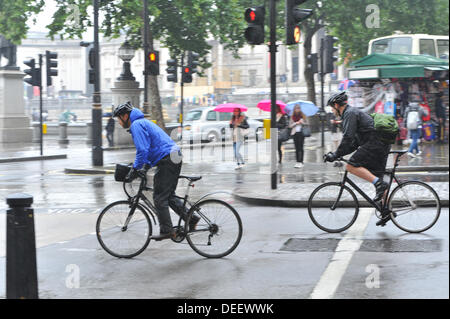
[97, 150]
[126, 54]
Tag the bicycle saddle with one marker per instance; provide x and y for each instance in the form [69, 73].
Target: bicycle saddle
[191, 178]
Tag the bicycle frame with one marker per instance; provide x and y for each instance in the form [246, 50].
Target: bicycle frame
[384, 201]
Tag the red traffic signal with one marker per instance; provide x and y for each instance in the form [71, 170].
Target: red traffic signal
[254, 34]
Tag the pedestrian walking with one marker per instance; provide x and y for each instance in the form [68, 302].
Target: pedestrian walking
[110, 131]
[239, 126]
[413, 115]
[283, 131]
[296, 124]
[441, 117]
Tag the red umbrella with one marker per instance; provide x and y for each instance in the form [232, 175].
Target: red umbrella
[229, 107]
[266, 104]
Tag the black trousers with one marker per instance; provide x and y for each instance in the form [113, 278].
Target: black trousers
[165, 183]
[299, 140]
[110, 137]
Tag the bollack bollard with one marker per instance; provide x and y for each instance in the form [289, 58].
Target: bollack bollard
[191, 148]
[223, 143]
[63, 133]
[21, 269]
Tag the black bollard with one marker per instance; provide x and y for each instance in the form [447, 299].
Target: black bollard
[21, 270]
[223, 143]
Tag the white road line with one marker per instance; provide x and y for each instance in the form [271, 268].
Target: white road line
[331, 278]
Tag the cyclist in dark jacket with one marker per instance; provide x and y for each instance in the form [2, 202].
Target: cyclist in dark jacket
[155, 148]
[369, 160]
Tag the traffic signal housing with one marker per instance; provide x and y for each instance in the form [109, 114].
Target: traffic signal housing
[330, 53]
[51, 64]
[33, 72]
[254, 34]
[193, 61]
[186, 74]
[294, 16]
[172, 70]
[153, 62]
[312, 62]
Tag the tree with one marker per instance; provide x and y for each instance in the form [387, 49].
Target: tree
[14, 15]
[355, 29]
[180, 25]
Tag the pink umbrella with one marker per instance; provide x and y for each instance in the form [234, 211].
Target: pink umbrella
[266, 104]
[229, 107]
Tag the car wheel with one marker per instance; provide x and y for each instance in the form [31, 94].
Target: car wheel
[212, 137]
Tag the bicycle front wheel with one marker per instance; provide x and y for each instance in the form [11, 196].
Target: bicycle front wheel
[218, 231]
[333, 208]
[415, 206]
[121, 234]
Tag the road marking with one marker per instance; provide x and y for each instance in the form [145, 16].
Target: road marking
[331, 278]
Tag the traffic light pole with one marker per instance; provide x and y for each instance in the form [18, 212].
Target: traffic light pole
[182, 99]
[273, 94]
[322, 83]
[146, 50]
[40, 106]
[97, 151]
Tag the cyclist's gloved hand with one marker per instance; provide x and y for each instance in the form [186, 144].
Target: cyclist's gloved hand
[330, 157]
[132, 174]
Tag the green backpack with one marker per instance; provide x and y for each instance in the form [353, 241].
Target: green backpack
[386, 127]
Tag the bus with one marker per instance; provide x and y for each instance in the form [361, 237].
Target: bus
[400, 43]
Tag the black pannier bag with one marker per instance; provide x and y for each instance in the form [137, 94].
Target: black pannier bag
[121, 172]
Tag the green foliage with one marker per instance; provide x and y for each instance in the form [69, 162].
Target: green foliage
[180, 25]
[14, 15]
[346, 19]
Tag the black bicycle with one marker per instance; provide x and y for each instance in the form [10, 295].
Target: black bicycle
[124, 228]
[412, 206]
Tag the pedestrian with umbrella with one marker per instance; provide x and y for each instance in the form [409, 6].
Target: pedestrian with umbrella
[296, 124]
[283, 130]
[239, 126]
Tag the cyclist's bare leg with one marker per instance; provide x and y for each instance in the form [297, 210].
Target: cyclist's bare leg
[361, 172]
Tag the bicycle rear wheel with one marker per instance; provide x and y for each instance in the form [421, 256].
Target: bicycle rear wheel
[120, 241]
[328, 218]
[218, 231]
[415, 206]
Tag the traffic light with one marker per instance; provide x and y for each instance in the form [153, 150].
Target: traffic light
[330, 53]
[33, 72]
[186, 74]
[254, 34]
[92, 65]
[312, 62]
[153, 62]
[294, 16]
[50, 64]
[172, 70]
[193, 61]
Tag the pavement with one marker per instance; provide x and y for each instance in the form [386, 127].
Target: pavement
[252, 184]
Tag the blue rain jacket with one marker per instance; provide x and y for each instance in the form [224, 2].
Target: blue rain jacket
[152, 143]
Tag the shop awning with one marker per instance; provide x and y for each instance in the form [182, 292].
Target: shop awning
[386, 66]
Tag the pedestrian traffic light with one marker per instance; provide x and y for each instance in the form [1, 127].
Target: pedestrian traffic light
[50, 64]
[172, 70]
[312, 63]
[294, 16]
[254, 34]
[193, 61]
[33, 72]
[153, 62]
[186, 75]
[330, 53]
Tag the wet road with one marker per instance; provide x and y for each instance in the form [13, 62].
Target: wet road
[67, 206]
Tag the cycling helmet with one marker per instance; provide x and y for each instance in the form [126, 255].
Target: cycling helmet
[337, 97]
[122, 109]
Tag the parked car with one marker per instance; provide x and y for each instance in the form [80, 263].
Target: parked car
[206, 125]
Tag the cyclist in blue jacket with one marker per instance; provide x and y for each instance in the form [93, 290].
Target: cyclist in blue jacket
[155, 148]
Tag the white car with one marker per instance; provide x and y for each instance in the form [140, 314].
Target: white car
[205, 124]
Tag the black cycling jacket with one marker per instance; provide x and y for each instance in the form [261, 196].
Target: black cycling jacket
[357, 128]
